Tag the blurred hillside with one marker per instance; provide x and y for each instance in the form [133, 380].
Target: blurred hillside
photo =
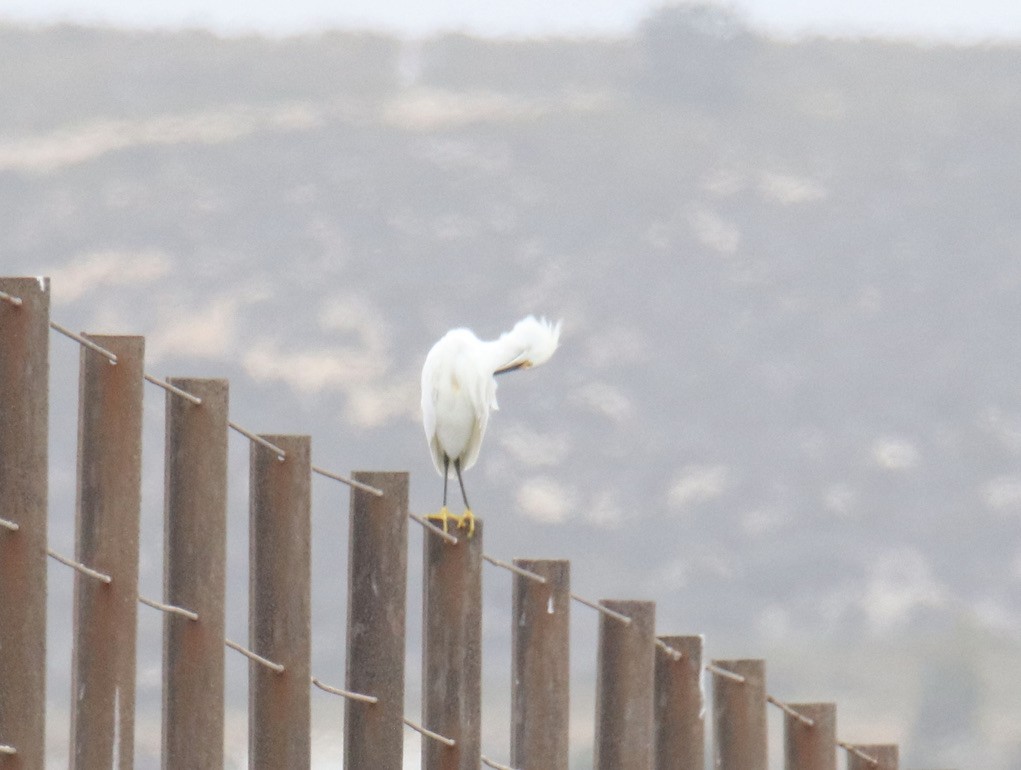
[786, 404]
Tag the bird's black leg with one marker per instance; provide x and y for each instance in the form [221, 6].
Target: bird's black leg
[444, 515]
[446, 473]
[467, 516]
[457, 467]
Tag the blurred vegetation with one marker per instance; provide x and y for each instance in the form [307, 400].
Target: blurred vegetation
[806, 246]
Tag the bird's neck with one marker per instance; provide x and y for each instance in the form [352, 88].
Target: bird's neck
[501, 352]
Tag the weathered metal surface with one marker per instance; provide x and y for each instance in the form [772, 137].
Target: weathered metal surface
[24, 412]
[376, 609]
[811, 747]
[107, 520]
[888, 756]
[739, 716]
[280, 600]
[540, 667]
[195, 550]
[625, 713]
[452, 658]
[680, 711]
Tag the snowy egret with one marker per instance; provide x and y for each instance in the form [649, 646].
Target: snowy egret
[459, 390]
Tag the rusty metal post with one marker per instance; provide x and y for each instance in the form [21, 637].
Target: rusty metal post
[625, 714]
[195, 550]
[886, 754]
[811, 747]
[107, 520]
[680, 715]
[540, 668]
[280, 604]
[376, 605]
[24, 412]
[739, 716]
[452, 655]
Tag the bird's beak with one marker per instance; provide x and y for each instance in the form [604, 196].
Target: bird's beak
[515, 364]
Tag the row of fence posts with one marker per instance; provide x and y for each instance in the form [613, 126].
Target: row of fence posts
[649, 704]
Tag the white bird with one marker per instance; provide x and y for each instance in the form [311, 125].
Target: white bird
[459, 390]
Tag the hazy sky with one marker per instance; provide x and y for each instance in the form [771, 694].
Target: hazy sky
[954, 19]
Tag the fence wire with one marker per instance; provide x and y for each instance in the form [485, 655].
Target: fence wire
[430, 528]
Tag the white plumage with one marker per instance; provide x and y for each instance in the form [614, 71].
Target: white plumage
[459, 389]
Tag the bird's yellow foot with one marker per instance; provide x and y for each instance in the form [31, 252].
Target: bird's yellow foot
[468, 517]
[443, 516]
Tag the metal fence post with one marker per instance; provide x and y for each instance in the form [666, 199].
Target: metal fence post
[540, 668]
[886, 754]
[452, 659]
[107, 520]
[739, 716]
[24, 412]
[811, 747]
[680, 717]
[625, 719]
[195, 550]
[280, 599]
[376, 606]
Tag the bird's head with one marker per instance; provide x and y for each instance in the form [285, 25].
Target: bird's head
[531, 343]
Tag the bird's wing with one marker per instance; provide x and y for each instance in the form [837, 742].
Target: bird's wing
[483, 399]
[429, 374]
[471, 452]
